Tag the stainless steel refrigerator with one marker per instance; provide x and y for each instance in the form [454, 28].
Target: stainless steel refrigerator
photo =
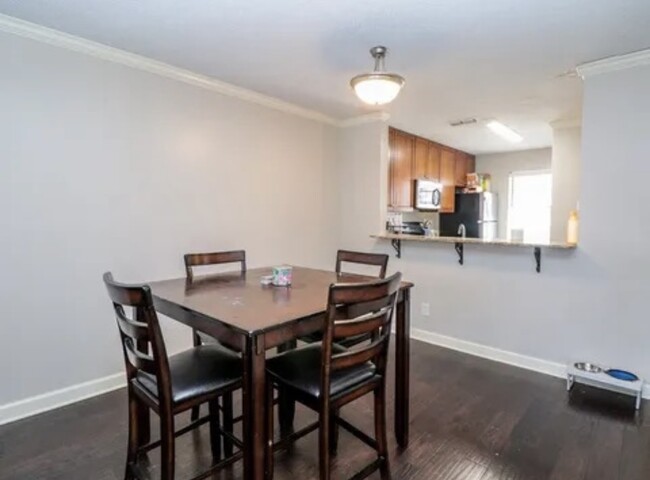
[477, 211]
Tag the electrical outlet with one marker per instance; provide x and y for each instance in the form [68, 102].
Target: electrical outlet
[424, 309]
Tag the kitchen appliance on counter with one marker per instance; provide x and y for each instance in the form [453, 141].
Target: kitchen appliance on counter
[412, 228]
[476, 211]
[428, 194]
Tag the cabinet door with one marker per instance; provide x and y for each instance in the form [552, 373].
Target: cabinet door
[421, 159]
[471, 163]
[433, 165]
[465, 163]
[448, 180]
[401, 170]
[460, 169]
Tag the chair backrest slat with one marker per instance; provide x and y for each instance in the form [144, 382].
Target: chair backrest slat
[354, 309]
[131, 328]
[143, 346]
[360, 325]
[138, 359]
[214, 258]
[362, 258]
[358, 356]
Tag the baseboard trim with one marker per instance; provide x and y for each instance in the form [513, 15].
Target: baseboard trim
[534, 364]
[27, 407]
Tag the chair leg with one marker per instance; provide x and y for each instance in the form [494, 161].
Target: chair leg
[228, 424]
[268, 470]
[334, 433]
[215, 435]
[167, 453]
[286, 404]
[132, 448]
[196, 411]
[286, 411]
[380, 431]
[324, 444]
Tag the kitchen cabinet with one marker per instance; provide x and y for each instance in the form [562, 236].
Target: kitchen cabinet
[448, 180]
[465, 163]
[421, 159]
[401, 170]
[413, 157]
[433, 165]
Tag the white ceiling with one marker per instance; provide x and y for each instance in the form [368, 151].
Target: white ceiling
[501, 59]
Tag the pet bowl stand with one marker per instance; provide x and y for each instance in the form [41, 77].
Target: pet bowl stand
[604, 381]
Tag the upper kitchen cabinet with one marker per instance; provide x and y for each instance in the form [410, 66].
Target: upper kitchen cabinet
[420, 157]
[426, 162]
[465, 163]
[433, 165]
[448, 180]
[401, 175]
[413, 157]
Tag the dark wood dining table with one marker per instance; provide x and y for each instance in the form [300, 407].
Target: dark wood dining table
[251, 318]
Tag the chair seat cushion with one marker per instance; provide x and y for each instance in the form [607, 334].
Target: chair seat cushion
[196, 372]
[300, 369]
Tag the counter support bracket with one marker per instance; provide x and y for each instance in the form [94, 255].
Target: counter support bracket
[397, 245]
[537, 252]
[460, 250]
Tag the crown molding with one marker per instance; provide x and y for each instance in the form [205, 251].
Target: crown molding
[362, 119]
[71, 42]
[613, 64]
[572, 122]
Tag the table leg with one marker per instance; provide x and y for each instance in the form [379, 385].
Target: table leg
[402, 368]
[253, 408]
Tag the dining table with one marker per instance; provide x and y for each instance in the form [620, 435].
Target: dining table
[249, 317]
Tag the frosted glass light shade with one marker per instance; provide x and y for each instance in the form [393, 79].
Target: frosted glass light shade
[377, 88]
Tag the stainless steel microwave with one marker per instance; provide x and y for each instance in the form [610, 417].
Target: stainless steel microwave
[428, 194]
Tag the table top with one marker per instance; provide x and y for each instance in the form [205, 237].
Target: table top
[241, 301]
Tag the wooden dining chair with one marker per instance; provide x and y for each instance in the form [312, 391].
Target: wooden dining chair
[168, 385]
[287, 405]
[361, 258]
[193, 260]
[326, 376]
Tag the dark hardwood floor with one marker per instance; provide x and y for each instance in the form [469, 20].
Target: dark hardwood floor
[472, 419]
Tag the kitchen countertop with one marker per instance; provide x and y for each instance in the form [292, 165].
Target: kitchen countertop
[477, 241]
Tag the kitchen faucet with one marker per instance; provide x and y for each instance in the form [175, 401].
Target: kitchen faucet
[461, 230]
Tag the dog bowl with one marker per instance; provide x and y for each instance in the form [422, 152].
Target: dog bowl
[622, 375]
[587, 367]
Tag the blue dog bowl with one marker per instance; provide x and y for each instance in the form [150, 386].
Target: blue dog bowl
[622, 375]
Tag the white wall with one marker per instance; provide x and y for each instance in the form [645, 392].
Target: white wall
[567, 168]
[361, 182]
[501, 165]
[104, 167]
[589, 304]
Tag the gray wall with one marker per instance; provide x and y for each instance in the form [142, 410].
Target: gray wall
[589, 304]
[501, 165]
[109, 168]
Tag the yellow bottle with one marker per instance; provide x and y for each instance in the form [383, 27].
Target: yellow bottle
[572, 228]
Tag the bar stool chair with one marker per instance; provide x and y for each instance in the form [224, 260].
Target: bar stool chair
[326, 376]
[287, 405]
[193, 260]
[168, 385]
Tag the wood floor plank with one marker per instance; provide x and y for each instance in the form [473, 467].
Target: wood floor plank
[472, 420]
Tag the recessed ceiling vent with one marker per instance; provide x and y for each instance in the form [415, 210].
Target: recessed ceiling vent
[460, 123]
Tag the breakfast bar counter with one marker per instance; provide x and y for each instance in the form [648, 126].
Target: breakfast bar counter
[459, 242]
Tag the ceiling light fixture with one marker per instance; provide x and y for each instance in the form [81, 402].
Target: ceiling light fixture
[504, 131]
[378, 87]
